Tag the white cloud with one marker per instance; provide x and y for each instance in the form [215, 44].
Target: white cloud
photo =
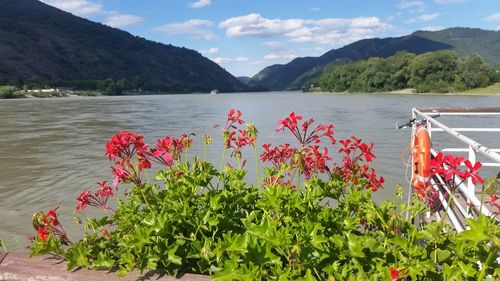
[424, 17]
[222, 60]
[280, 55]
[404, 5]
[428, 17]
[121, 20]
[196, 28]
[323, 31]
[211, 51]
[498, 28]
[495, 17]
[449, 1]
[315, 9]
[253, 25]
[200, 3]
[77, 7]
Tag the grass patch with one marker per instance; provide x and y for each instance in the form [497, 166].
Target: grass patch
[493, 89]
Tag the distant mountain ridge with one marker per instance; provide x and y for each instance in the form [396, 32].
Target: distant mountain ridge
[295, 74]
[38, 40]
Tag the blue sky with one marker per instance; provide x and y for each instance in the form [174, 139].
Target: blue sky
[244, 36]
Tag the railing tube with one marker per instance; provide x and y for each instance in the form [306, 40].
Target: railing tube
[475, 145]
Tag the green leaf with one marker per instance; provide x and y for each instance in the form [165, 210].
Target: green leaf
[442, 255]
[355, 246]
[211, 220]
[174, 258]
[478, 231]
[104, 261]
[308, 276]
[231, 271]
[78, 256]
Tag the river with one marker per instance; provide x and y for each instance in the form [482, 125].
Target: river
[51, 149]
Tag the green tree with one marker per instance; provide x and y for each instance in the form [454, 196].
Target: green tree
[400, 69]
[434, 72]
[475, 72]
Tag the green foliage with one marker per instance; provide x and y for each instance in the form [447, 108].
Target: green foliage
[439, 72]
[192, 217]
[9, 92]
[241, 232]
[476, 73]
[433, 72]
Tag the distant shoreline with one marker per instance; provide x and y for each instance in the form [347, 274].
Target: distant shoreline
[493, 90]
[395, 92]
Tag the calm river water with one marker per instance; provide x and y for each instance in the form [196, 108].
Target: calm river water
[51, 149]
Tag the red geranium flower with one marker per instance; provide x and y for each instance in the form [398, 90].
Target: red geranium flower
[394, 273]
[472, 173]
[43, 233]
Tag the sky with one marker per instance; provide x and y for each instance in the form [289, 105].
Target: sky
[244, 36]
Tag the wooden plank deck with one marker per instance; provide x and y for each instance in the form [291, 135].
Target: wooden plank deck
[20, 267]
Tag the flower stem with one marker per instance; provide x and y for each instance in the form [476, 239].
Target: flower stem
[3, 246]
[482, 198]
[257, 168]
[222, 158]
[204, 152]
[146, 200]
[489, 259]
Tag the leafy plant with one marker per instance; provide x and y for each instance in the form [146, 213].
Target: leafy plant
[3, 245]
[307, 218]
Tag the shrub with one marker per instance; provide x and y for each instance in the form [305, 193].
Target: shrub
[307, 218]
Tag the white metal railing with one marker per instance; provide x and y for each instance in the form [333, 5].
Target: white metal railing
[427, 116]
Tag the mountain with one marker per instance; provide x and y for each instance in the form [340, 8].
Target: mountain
[42, 42]
[465, 41]
[244, 79]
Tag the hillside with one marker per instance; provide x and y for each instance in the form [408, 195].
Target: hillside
[465, 41]
[40, 42]
[469, 40]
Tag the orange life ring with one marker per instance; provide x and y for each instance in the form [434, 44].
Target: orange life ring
[421, 155]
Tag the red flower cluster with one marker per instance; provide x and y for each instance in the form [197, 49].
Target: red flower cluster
[314, 160]
[234, 138]
[447, 166]
[355, 150]
[238, 142]
[169, 149]
[302, 134]
[234, 116]
[310, 158]
[125, 145]
[281, 154]
[394, 273]
[493, 203]
[98, 199]
[271, 181]
[48, 225]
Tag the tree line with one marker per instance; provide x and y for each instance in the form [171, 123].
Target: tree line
[438, 72]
